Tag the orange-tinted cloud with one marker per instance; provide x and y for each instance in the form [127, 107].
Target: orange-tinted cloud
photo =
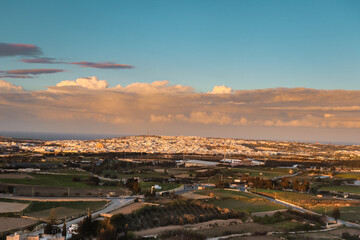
[9, 87]
[32, 71]
[91, 102]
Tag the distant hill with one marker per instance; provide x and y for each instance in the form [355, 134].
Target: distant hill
[4, 138]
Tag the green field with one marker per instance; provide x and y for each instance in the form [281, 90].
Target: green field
[42, 210]
[145, 186]
[240, 201]
[342, 188]
[53, 180]
[81, 205]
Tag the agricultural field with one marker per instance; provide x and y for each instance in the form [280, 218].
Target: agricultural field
[41, 210]
[352, 175]
[349, 209]
[7, 224]
[130, 208]
[147, 174]
[53, 180]
[240, 201]
[262, 172]
[7, 207]
[342, 188]
[71, 172]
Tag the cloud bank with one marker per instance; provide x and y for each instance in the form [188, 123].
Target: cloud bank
[159, 105]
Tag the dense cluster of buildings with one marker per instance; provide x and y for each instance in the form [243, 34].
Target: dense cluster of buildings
[185, 145]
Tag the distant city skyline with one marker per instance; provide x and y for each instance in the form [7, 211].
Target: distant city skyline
[248, 69]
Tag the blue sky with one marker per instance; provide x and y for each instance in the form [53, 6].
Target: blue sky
[241, 44]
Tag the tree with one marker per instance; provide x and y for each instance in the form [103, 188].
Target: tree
[87, 227]
[119, 221]
[63, 233]
[336, 213]
[50, 227]
[106, 230]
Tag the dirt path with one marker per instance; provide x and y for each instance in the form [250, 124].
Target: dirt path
[130, 208]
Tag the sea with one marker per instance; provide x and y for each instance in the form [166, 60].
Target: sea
[75, 136]
[56, 136]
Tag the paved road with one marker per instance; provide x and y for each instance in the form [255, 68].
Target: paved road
[115, 203]
[293, 206]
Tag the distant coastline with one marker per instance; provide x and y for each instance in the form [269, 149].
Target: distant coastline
[75, 136]
[56, 136]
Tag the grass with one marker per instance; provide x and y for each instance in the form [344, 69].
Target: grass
[287, 225]
[351, 213]
[342, 188]
[227, 193]
[240, 201]
[41, 210]
[164, 186]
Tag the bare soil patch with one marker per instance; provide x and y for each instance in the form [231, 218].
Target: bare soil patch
[194, 195]
[12, 207]
[130, 208]
[15, 176]
[7, 224]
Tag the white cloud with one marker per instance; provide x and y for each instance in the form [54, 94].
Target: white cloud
[89, 82]
[221, 90]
